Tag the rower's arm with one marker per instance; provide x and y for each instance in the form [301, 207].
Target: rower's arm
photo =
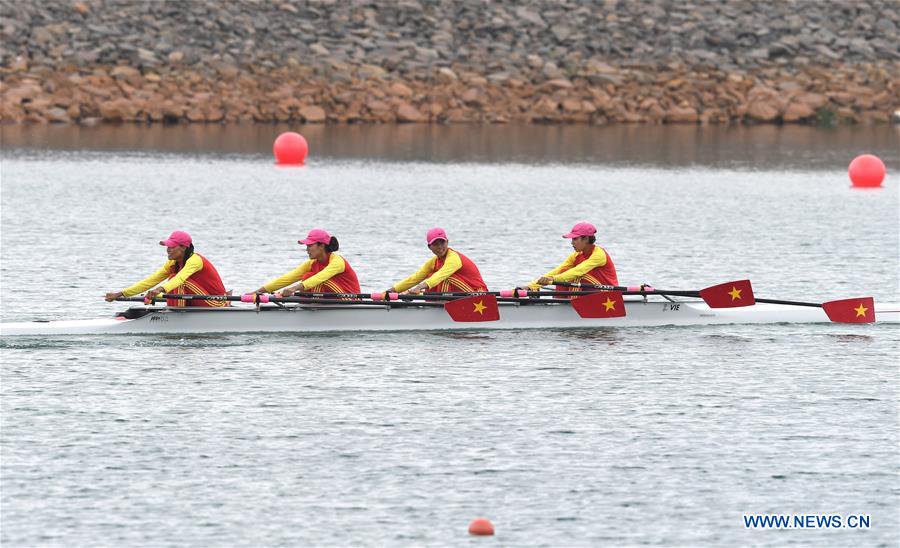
[191, 266]
[336, 265]
[563, 266]
[289, 278]
[451, 264]
[149, 281]
[420, 275]
[597, 258]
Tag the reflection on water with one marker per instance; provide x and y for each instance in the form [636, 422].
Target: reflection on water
[767, 146]
[609, 336]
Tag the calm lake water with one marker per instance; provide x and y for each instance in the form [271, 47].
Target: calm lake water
[662, 436]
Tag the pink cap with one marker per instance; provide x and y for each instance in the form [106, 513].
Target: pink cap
[583, 228]
[177, 238]
[316, 236]
[436, 234]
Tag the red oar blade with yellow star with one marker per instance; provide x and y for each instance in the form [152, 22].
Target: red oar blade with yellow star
[478, 308]
[602, 304]
[859, 310]
[729, 295]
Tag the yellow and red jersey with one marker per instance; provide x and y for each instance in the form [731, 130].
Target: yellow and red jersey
[333, 276]
[198, 276]
[591, 266]
[455, 272]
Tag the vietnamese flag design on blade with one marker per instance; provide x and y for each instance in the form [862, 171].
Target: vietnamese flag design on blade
[859, 310]
[602, 304]
[729, 295]
[478, 308]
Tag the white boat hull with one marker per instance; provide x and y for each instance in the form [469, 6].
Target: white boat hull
[350, 317]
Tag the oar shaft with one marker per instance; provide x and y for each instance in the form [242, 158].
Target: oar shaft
[634, 289]
[369, 302]
[598, 287]
[792, 303]
[678, 293]
[298, 300]
[164, 296]
[338, 298]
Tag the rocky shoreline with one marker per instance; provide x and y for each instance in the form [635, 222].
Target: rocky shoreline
[567, 61]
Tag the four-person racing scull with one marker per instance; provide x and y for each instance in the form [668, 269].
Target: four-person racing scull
[446, 292]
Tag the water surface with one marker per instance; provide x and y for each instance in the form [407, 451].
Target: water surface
[588, 437]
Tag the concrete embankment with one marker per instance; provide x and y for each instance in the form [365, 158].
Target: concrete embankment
[559, 61]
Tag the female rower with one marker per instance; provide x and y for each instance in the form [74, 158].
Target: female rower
[589, 263]
[188, 273]
[324, 272]
[448, 270]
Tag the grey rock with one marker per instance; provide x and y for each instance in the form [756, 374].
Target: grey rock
[602, 79]
[531, 17]
[550, 70]
[319, 49]
[827, 52]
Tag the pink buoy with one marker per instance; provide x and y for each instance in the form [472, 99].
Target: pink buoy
[867, 170]
[290, 149]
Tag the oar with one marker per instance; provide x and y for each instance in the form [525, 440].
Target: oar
[164, 296]
[726, 295]
[855, 310]
[470, 308]
[473, 308]
[461, 307]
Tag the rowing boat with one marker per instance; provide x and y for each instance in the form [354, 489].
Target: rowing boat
[308, 318]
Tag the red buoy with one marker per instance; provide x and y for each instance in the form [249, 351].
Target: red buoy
[290, 149]
[867, 170]
[481, 526]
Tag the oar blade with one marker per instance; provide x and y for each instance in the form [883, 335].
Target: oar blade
[477, 308]
[859, 310]
[602, 304]
[729, 295]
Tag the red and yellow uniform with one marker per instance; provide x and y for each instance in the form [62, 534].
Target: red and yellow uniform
[334, 276]
[197, 277]
[455, 273]
[591, 266]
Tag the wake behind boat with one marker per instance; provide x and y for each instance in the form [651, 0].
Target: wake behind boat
[418, 316]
